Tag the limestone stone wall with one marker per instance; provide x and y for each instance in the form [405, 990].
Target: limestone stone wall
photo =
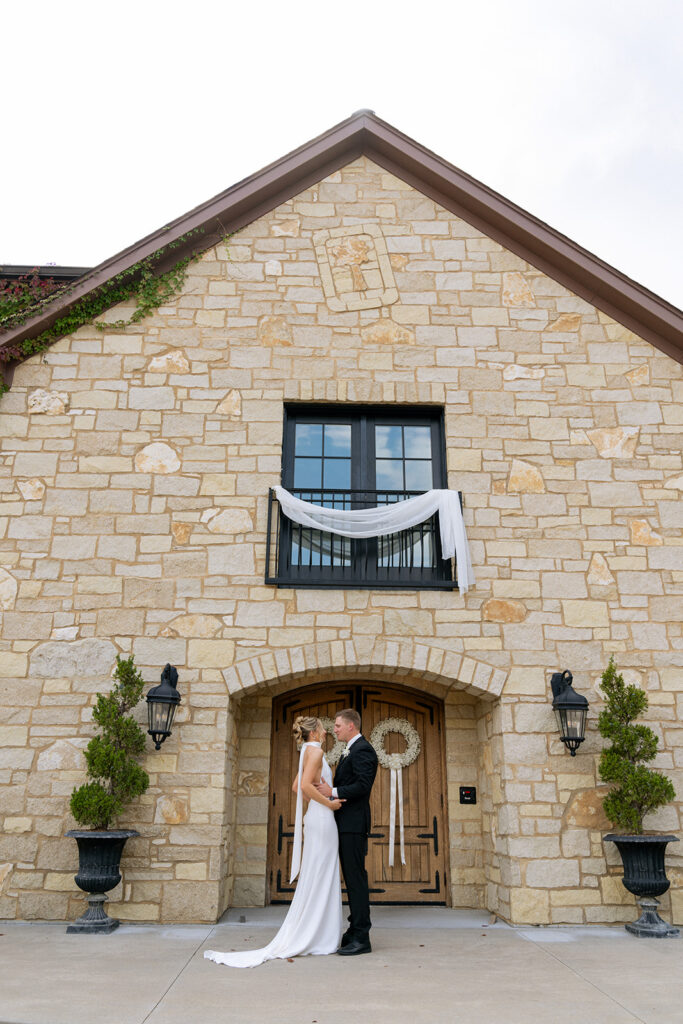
[468, 874]
[252, 788]
[134, 476]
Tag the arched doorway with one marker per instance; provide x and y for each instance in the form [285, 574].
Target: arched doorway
[423, 879]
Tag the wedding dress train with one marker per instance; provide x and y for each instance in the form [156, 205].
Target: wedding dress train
[313, 924]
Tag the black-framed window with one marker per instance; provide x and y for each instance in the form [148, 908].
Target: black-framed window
[346, 456]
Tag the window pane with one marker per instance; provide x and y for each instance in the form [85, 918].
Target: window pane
[388, 444]
[390, 474]
[334, 550]
[338, 473]
[327, 452]
[301, 552]
[338, 439]
[411, 549]
[423, 551]
[389, 497]
[307, 473]
[418, 475]
[309, 439]
[418, 441]
[314, 548]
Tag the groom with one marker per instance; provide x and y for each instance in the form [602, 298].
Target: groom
[353, 781]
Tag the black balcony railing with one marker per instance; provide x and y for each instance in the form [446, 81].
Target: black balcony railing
[298, 556]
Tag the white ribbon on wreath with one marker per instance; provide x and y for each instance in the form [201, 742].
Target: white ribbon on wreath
[396, 763]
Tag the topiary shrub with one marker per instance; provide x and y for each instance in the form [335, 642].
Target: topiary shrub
[115, 777]
[638, 789]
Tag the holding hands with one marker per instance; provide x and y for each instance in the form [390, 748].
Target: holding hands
[326, 791]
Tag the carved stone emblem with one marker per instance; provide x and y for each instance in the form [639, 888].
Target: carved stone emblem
[355, 268]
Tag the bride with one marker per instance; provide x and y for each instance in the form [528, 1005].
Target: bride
[313, 924]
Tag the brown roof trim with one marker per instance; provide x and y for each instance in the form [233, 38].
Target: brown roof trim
[637, 308]
[50, 271]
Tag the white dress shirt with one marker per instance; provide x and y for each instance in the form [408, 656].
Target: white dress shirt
[348, 747]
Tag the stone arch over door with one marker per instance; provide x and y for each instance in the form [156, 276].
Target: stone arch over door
[469, 689]
[432, 669]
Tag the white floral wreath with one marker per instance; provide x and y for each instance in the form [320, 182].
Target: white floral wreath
[410, 735]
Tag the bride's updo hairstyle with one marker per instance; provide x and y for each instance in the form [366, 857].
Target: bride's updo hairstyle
[304, 726]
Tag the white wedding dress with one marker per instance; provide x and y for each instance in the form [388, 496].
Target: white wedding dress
[313, 924]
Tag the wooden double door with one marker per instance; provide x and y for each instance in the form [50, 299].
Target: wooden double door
[422, 880]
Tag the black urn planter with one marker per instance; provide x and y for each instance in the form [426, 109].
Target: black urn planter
[99, 856]
[645, 877]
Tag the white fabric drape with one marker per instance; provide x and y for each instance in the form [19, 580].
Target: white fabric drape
[298, 821]
[387, 519]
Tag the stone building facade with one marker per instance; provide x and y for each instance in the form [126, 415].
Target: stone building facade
[135, 475]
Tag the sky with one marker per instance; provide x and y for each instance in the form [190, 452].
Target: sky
[118, 118]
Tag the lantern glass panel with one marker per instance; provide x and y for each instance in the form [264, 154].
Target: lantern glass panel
[571, 722]
[171, 716]
[160, 716]
[575, 723]
[559, 715]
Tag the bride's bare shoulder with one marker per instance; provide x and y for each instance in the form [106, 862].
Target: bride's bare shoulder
[312, 759]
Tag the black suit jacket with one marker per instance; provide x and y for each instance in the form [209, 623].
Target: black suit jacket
[353, 781]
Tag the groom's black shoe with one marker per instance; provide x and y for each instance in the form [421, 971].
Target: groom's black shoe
[355, 948]
[346, 938]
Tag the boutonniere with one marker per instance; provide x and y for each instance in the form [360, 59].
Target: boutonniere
[345, 752]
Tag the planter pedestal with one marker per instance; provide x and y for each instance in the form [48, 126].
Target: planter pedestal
[650, 925]
[95, 918]
[99, 856]
[645, 877]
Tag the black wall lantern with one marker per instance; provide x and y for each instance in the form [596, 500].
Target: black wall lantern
[162, 702]
[571, 710]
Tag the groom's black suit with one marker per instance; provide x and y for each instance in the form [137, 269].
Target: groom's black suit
[353, 781]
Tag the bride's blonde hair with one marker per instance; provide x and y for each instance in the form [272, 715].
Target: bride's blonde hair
[304, 726]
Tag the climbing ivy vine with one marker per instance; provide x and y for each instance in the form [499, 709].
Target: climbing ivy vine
[20, 300]
[23, 297]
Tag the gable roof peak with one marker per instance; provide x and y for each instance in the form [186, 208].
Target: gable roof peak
[365, 134]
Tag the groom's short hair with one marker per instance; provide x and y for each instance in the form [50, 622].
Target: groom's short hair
[351, 715]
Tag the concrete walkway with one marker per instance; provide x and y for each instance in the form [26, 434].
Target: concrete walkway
[428, 965]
